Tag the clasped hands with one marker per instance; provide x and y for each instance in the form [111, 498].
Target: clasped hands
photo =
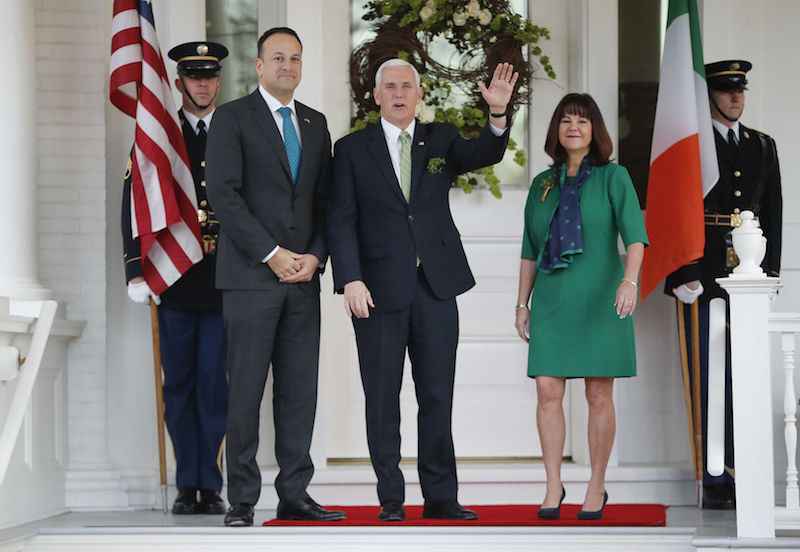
[291, 267]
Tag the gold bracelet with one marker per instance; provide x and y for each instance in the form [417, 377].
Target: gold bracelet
[631, 282]
[521, 306]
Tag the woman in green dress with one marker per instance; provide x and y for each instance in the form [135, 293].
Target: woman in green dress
[579, 321]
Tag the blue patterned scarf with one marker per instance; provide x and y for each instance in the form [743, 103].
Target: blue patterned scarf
[566, 237]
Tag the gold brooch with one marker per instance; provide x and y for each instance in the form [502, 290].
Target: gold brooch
[547, 185]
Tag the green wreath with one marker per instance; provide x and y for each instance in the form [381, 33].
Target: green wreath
[483, 33]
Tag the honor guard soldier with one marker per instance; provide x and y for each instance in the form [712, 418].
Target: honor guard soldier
[191, 329]
[749, 180]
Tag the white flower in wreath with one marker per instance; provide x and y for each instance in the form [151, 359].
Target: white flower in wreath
[426, 113]
[485, 17]
[426, 12]
[460, 19]
[473, 8]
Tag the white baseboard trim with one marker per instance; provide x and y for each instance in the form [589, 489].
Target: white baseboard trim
[478, 484]
[90, 489]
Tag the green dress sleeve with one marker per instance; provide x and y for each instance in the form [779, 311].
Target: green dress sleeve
[529, 250]
[627, 212]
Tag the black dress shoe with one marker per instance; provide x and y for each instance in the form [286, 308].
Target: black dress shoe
[594, 515]
[719, 497]
[307, 510]
[186, 502]
[447, 510]
[239, 515]
[211, 503]
[392, 511]
[553, 513]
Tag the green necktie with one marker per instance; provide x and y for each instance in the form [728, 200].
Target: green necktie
[405, 164]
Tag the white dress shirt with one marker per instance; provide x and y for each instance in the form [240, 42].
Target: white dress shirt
[723, 129]
[392, 135]
[274, 104]
[194, 119]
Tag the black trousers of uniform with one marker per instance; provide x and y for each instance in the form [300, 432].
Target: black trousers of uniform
[279, 327]
[428, 328]
[725, 479]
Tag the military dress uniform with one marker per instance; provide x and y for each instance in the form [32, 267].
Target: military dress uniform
[749, 179]
[191, 328]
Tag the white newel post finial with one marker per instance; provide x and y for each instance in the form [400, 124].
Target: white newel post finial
[750, 292]
[750, 246]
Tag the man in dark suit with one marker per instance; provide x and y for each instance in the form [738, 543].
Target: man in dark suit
[190, 312]
[268, 166]
[398, 258]
[749, 180]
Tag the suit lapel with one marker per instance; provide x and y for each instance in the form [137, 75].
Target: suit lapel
[418, 153]
[309, 139]
[380, 152]
[267, 123]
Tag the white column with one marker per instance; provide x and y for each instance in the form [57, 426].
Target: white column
[752, 403]
[18, 271]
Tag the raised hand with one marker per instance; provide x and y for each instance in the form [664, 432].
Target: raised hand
[499, 92]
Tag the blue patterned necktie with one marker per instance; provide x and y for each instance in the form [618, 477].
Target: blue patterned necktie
[290, 141]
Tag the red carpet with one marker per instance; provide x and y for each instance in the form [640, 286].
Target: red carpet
[512, 515]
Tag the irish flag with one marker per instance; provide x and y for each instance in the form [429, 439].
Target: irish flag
[683, 159]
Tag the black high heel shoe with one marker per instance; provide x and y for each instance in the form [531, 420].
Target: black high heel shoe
[583, 515]
[553, 513]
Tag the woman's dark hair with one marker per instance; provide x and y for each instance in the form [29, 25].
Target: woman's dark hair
[583, 105]
[277, 30]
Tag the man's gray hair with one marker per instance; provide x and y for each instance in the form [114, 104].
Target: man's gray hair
[396, 62]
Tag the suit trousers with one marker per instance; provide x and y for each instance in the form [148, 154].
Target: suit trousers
[195, 393]
[280, 327]
[428, 329]
[725, 479]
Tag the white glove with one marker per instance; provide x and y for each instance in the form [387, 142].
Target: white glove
[140, 292]
[687, 295]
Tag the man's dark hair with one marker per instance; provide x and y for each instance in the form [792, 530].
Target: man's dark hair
[277, 30]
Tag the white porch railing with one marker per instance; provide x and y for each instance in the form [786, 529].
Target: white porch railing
[787, 326]
[29, 369]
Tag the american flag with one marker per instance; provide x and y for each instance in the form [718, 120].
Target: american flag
[163, 200]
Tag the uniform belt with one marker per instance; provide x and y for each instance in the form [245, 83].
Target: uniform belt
[733, 220]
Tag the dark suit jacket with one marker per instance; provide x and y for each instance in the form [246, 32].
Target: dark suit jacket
[749, 179]
[195, 290]
[376, 236]
[251, 188]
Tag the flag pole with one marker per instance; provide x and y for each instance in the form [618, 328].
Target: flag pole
[696, 399]
[159, 385]
[687, 382]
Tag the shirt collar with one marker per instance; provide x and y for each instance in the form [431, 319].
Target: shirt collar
[193, 119]
[393, 133]
[723, 129]
[274, 103]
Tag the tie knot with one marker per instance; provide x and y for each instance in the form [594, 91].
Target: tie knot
[201, 125]
[286, 112]
[405, 137]
[731, 136]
